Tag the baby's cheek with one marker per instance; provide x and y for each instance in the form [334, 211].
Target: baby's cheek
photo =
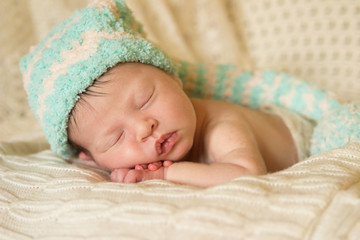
[111, 162]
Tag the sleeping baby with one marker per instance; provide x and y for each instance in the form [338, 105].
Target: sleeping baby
[103, 92]
[137, 122]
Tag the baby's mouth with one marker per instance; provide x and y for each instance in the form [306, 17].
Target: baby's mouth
[165, 143]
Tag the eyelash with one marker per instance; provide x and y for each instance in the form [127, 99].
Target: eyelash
[147, 101]
[118, 139]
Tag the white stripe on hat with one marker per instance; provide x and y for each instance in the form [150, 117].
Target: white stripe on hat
[79, 52]
[110, 4]
[37, 57]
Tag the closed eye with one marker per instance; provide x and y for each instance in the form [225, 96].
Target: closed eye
[118, 139]
[147, 101]
[112, 141]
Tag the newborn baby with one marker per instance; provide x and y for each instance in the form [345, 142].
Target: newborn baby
[137, 116]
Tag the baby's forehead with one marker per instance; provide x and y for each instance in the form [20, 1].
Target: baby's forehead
[128, 74]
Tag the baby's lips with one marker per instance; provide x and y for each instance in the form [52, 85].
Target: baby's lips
[165, 143]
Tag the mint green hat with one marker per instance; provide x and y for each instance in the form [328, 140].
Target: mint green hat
[74, 54]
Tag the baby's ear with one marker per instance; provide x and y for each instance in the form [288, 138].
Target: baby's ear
[84, 156]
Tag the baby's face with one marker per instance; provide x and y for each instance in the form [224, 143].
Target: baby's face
[142, 116]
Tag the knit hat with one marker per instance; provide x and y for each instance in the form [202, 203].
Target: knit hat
[74, 54]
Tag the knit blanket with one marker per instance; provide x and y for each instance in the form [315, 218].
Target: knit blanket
[45, 197]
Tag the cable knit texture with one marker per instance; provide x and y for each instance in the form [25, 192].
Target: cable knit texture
[45, 197]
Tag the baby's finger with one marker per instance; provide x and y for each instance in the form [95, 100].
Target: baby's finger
[140, 166]
[118, 175]
[154, 166]
[167, 163]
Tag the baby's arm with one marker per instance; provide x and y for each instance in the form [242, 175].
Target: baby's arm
[204, 175]
[232, 151]
[197, 174]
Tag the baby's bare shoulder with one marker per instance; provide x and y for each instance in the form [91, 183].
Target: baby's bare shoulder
[220, 111]
[228, 136]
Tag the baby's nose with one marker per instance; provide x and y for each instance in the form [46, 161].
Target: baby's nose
[145, 129]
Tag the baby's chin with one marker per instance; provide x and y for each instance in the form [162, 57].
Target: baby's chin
[184, 155]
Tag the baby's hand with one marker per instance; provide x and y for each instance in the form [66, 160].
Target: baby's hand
[134, 175]
[142, 172]
[153, 166]
[150, 166]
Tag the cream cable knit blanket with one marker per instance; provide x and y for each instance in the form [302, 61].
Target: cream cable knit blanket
[44, 197]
